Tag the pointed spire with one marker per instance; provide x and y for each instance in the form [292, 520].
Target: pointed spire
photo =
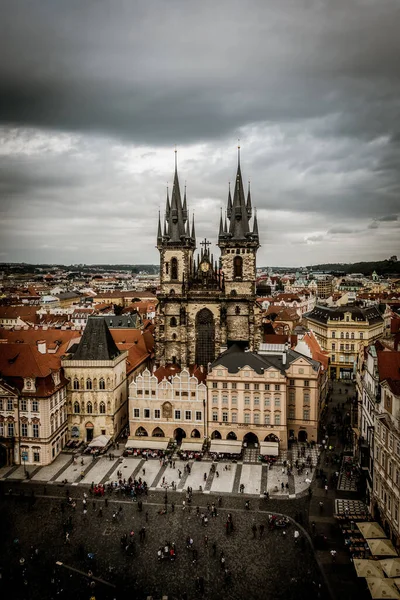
[193, 236]
[185, 211]
[168, 205]
[225, 225]
[239, 220]
[229, 209]
[159, 234]
[255, 225]
[187, 229]
[221, 226]
[248, 203]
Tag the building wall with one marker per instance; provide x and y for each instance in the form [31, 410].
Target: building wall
[48, 413]
[113, 397]
[386, 461]
[342, 339]
[246, 402]
[166, 405]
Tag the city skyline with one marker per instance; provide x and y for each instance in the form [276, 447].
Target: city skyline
[93, 104]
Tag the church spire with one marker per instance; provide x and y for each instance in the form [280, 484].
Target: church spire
[239, 219]
[185, 210]
[221, 226]
[159, 234]
[255, 225]
[229, 209]
[193, 235]
[168, 206]
[248, 203]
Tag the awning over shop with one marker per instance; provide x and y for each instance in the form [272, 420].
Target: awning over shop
[192, 446]
[148, 444]
[391, 566]
[371, 530]
[269, 448]
[368, 568]
[382, 588]
[100, 442]
[381, 548]
[226, 446]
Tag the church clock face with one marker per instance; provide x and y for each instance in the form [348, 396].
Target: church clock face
[205, 266]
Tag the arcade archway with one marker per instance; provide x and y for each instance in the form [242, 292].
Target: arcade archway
[158, 432]
[179, 434]
[302, 437]
[216, 435]
[231, 436]
[195, 433]
[250, 439]
[141, 432]
[271, 438]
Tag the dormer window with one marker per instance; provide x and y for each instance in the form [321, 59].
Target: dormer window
[29, 384]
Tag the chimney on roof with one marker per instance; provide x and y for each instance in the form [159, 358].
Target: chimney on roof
[41, 346]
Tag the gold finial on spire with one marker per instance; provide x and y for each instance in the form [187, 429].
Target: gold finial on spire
[238, 151]
[176, 158]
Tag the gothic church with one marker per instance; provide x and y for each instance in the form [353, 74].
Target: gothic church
[205, 305]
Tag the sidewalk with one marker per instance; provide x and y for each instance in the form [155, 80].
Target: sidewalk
[341, 576]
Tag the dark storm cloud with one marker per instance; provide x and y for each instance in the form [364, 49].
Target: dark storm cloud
[311, 87]
[174, 71]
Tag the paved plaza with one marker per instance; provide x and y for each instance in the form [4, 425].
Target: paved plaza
[35, 513]
[225, 479]
[273, 566]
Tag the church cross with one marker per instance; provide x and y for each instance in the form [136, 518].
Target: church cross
[205, 244]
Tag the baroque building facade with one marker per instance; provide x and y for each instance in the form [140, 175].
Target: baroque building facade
[270, 396]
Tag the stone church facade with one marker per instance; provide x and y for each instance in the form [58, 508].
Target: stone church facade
[205, 305]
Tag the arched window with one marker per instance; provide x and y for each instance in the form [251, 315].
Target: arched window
[237, 310]
[341, 335]
[174, 268]
[89, 408]
[76, 384]
[238, 266]
[173, 322]
[352, 335]
[88, 384]
[347, 335]
[102, 384]
[102, 408]
[205, 334]
[76, 408]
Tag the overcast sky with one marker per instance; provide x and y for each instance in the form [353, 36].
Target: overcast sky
[94, 96]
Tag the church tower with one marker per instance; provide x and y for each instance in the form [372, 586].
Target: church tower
[239, 242]
[202, 306]
[176, 242]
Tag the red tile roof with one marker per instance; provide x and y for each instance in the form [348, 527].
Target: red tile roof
[389, 369]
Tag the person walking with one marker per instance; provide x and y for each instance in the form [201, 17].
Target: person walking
[254, 530]
[261, 530]
[333, 555]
